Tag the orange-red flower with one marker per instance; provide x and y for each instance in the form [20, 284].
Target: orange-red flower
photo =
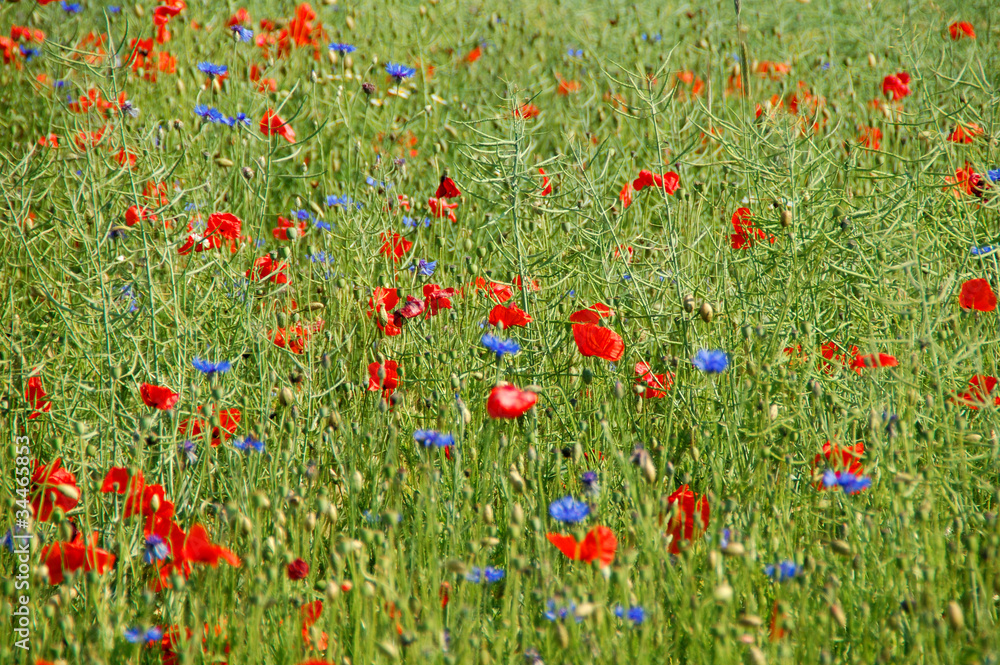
[229, 420]
[395, 245]
[593, 340]
[965, 133]
[509, 316]
[280, 232]
[509, 402]
[527, 111]
[389, 379]
[744, 234]
[52, 486]
[600, 544]
[272, 124]
[75, 555]
[691, 518]
[546, 185]
[840, 458]
[136, 214]
[981, 389]
[447, 189]
[296, 337]
[961, 29]
[870, 137]
[437, 298]
[976, 294]
[668, 182]
[35, 395]
[158, 397]
[655, 384]
[267, 268]
[896, 86]
[592, 314]
[499, 293]
[440, 208]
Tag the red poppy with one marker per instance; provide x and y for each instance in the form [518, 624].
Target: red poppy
[509, 317]
[965, 133]
[668, 182]
[281, 231]
[198, 548]
[440, 209]
[966, 181]
[395, 246]
[297, 570]
[981, 387]
[437, 298]
[52, 486]
[474, 55]
[61, 558]
[49, 141]
[655, 384]
[35, 395]
[896, 86]
[625, 196]
[389, 380]
[509, 402]
[745, 234]
[500, 293]
[976, 294]
[872, 360]
[413, 308]
[136, 214]
[229, 420]
[527, 111]
[961, 29]
[296, 337]
[447, 189]
[592, 314]
[310, 613]
[118, 481]
[773, 70]
[870, 137]
[546, 185]
[599, 544]
[125, 158]
[567, 87]
[158, 397]
[271, 124]
[593, 340]
[533, 284]
[691, 519]
[267, 268]
[841, 458]
[241, 17]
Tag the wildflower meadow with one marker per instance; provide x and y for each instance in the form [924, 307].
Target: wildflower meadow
[562, 332]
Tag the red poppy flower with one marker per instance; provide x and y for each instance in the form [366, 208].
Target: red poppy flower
[546, 185]
[310, 613]
[976, 294]
[241, 17]
[49, 141]
[296, 337]
[52, 486]
[509, 402]
[592, 314]
[267, 268]
[158, 397]
[599, 544]
[965, 133]
[413, 308]
[692, 518]
[35, 395]
[981, 387]
[668, 182]
[593, 340]
[625, 196]
[437, 298]
[896, 86]
[198, 548]
[841, 458]
[655, 384]
[389, 380]
[870, 137]
[527, 111]
[509, 317]
[872, 360]
[474, 55]
[281, 231]
[567, 87]
[500, 293]
[297, 570]
[440, 209]
[395, 246]
[271, 124]
[966, 181]
[61, 558]
[118, 481]
[447, 189]
[961, 29]
[773, 70]
[533, 284]
[136, 214]
[745, 234]
[229, 420]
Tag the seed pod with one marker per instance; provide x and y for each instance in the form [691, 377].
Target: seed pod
[840, 547]
[563, 635]
[956, 619]
[706, 313]
[734, 549]
[286, 396]
[517, 514]
[247, 173]
[837, 612]
[751, 621]
[488, 514]
[757, 656]
[516, 480]
[688, 303]
[786, 218]
[723, 593]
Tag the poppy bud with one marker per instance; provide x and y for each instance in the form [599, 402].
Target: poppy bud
[688, 303]
[706, 312]
[619, 390]
[956, 619]
[517, 514]
[286, 396]
[563, 635]
[723, 593]
[488, 514]
[786, 218]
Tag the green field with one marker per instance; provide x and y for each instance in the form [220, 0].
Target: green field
[510, 332]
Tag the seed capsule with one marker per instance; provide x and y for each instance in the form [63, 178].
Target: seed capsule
[706, 312]
[786, 218]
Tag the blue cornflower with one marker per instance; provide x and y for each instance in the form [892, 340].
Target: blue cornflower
[488, 575]
[634, 614]
[826, 66]
[554, 612]
[71, 7]
[245, 34]
[412, 223]
[28, 53]
[228, 122]
[140, 636]
[785, 570]
[202, 110]
[60, 83]
[242, 117]
[188, 448]
[301, 215]
[979, 251]
[589, 480]
[425, 268]
[724, 538]
[249, 443]
[344, 201]
[114, 9]
[210, 368]
[320, 257]
[575, 53]
[501, 347]
[156, 549]
[128, 293]
[320, 224]
[429, 438]
[569, 510]
[846, 480]
[212, 70]
[993, 175]
[713, 362]
[372, 182]
[343, 48]
[399, 72]
[7, 542]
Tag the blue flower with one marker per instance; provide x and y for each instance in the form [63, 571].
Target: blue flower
[156, 549]
[202, 110]
[242, 117]
[412, 223]
[320, 224]
[245, 34]
[320, 257]
[425, 268]
[826, 66]
[301, 215]
[210, 368]
[249, 443]
[501, 347]
[71, 7]
[343, 48]
[846, 480]
[577, 53]
[114, 9]
[979, 251]
[212, 70]
[569, 510]
[188, 448]
[785, 570]
[372, 182]
[429, 438]
[488, 575]
[589, 480]
[140, 636]
[28, 53]
[993, 175]
[724, 538]
[399, 72]
[344, 201]
[634, 614]
[554, 612]
[713, 362]
[129, 294]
